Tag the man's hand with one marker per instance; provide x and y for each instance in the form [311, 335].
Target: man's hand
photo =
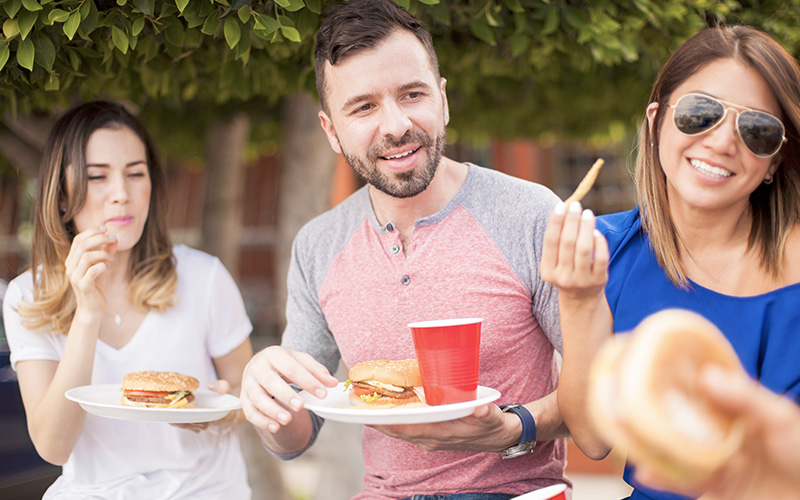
[268, 401]
[485, 430]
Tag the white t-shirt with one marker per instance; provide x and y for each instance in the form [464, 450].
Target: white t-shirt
[118, 459]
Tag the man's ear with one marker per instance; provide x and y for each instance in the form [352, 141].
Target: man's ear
[327, 126]
[443, 84]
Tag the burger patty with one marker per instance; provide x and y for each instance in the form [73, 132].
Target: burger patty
[157, 400]
[362, 388]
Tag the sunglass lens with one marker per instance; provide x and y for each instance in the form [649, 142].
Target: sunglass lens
[760, 132]
[695, 114]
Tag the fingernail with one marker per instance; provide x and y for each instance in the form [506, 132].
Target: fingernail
[321, 393]
[575, 207]
[112, 237]
[587, 215]
[102, 228]
[212, 385]
[296, 404]
[274, 428]
[597, 234]
[283, 417]
[560, 208]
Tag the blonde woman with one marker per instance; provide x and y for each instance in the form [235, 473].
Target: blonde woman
[107, 294]
[717, 229]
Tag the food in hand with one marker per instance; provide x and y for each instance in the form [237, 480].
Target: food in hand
[158, 389]
[383, 383]
[644, 396]
[586, 183]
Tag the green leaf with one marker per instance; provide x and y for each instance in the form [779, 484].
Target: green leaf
[270, 24]
[429, 2]
[514, 6]
[26, 21]
[482, 31]
[5, 52]
[406, 4]
[89, 16]
[120, 39]
[138, 26]
[233, 32]
[519, 44]
[290, 33]
[10, 28]
[25, 54]
[147, 7]
[551, 20]
[291, 5]
[121, 2]
[174, 33]
[441, 13]
[71, 26]
[574, 17]
[12, 7]
[45, 51]
[211, 23]
[52, 83]
[181, 4]
[244, 14]
[31, 5]
[58, 16]
[314, 6]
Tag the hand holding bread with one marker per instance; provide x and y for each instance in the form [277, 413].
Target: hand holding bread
[644, 396]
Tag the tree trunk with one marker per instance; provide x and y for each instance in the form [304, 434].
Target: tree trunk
[221, 234]
[307, 168]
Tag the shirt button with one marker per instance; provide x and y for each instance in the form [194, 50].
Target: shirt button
[390, 227]
[395, 248]
[405, 280]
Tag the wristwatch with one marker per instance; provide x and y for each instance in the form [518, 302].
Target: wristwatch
[528, 439]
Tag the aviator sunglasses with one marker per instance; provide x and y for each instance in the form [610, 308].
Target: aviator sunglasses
[762, 133]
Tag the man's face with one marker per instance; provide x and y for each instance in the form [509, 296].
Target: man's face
[387, 115]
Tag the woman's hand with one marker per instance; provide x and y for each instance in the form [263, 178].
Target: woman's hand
[87, 264]
[221, 426]
[575, 255]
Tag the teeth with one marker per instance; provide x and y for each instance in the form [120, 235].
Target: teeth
[394, 157]
[709, 170]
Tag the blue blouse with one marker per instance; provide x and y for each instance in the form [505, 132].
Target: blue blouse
[764, 330]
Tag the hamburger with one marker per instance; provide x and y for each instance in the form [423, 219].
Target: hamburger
[383, 383]
[644, 396]
[158, 389]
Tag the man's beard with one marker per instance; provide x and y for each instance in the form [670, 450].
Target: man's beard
[403, 184]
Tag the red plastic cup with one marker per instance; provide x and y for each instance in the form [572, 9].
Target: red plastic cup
[554, 492]
[448, 356]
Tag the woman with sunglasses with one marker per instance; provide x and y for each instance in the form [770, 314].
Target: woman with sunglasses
[108, 294]
[716, 230]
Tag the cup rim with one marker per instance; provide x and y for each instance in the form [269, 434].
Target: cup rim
[438, 323]
[543, 493]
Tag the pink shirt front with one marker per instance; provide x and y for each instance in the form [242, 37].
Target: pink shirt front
[462, 262]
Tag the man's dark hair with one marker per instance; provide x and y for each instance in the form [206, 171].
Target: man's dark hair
[359, 25]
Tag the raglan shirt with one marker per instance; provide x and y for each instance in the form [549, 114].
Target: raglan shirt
[124, 459]
[353, 291]
[762, 329]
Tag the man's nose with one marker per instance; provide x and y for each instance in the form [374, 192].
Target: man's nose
[395, 121]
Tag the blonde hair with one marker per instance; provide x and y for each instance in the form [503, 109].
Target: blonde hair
[152, 274]
[775, 207]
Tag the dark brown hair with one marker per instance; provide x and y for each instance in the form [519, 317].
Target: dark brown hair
[359, 25]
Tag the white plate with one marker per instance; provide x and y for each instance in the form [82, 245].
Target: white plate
[103, 400]
[336, 406]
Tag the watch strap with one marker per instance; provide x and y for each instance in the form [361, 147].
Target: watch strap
[527, 440]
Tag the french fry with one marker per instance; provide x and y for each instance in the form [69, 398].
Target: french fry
[586, 183]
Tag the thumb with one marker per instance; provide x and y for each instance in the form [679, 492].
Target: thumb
[220, 386]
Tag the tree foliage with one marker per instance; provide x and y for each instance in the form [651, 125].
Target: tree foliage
[568, 68]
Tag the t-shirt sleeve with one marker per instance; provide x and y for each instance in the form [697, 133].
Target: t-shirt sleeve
[25, 344]
[227, 315]
[306, 328]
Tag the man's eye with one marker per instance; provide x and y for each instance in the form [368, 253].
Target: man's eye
[364, 108]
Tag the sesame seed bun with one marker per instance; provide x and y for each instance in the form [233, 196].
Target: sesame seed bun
[403, 373]
[159, 381]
